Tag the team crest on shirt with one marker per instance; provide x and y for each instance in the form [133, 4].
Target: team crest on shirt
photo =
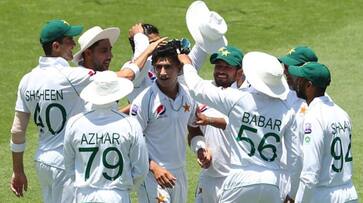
[160, 111]
[303, 109]
[186, 107]
[134, 110]
[307, 129]
[151, 76]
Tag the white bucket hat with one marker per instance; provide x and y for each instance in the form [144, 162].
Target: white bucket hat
[206, 27]
[266, 74]
[93, 35]
[106, 88]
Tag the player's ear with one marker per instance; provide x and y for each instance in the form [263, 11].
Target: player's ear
[87, 52]
[55, 45]
[180, 69]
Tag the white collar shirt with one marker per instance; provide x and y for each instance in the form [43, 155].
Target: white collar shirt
[164, 122]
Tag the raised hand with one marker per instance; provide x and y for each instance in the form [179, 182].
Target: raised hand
[137, 28]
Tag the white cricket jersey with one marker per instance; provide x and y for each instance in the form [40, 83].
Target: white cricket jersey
[300, 108]
[327, 148]
[50, 92]
[147, 76]
[244, 85]
[105, 149]
[257, 124]
[164, 122]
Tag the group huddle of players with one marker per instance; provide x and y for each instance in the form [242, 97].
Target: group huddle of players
[263, 130]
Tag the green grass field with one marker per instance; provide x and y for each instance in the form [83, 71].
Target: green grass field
[333, 28]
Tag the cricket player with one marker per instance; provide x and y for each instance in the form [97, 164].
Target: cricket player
[96, 48]
[258, 121]
[295, 57]
[327, 168]
[164, 110]
[50, 93]
[105, 152]
[227, 71]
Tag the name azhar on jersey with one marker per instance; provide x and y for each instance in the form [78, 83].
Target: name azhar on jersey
[100, 138]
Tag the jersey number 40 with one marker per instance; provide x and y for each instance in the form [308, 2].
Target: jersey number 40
[51, 107]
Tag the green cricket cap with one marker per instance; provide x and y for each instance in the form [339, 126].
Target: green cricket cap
[298, 56]
[317, 73]
[230, 55]
[58, 28]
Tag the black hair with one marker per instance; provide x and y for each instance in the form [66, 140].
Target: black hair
[148, 29]
[47, 47]
[165, 51]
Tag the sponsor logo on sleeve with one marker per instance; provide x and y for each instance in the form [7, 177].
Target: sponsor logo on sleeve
[91, 72]
[202, 108]
[151, 76]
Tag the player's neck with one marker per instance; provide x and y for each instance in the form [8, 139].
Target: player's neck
[170, 91]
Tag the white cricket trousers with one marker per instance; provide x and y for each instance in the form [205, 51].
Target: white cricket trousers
[258, 193]
[150, 191]
[99, 195]
[208, 189]
[56, 187]
[338, 194]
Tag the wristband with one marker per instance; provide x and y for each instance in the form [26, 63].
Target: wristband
[131, 66]
[17, 147]
[197, 142]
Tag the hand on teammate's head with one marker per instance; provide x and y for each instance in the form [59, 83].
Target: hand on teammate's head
[184, 59]
[152, 46]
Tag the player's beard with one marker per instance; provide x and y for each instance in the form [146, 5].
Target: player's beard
[300, 88]
[99, 66]
[225, 82]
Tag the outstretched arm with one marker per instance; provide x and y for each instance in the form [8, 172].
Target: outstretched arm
[132, 68]
[19, 182]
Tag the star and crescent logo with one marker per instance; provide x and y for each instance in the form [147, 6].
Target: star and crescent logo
[186, 107]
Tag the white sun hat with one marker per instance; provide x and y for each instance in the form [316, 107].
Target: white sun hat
[266, 74]
[93, 35]
[106, 88]
[206, 27]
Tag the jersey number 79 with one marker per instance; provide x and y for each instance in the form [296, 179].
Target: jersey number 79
[118, 165]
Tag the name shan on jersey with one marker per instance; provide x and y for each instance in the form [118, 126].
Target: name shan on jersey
[261, 121]
[100, 138]
[46, 94]
[339, 127]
